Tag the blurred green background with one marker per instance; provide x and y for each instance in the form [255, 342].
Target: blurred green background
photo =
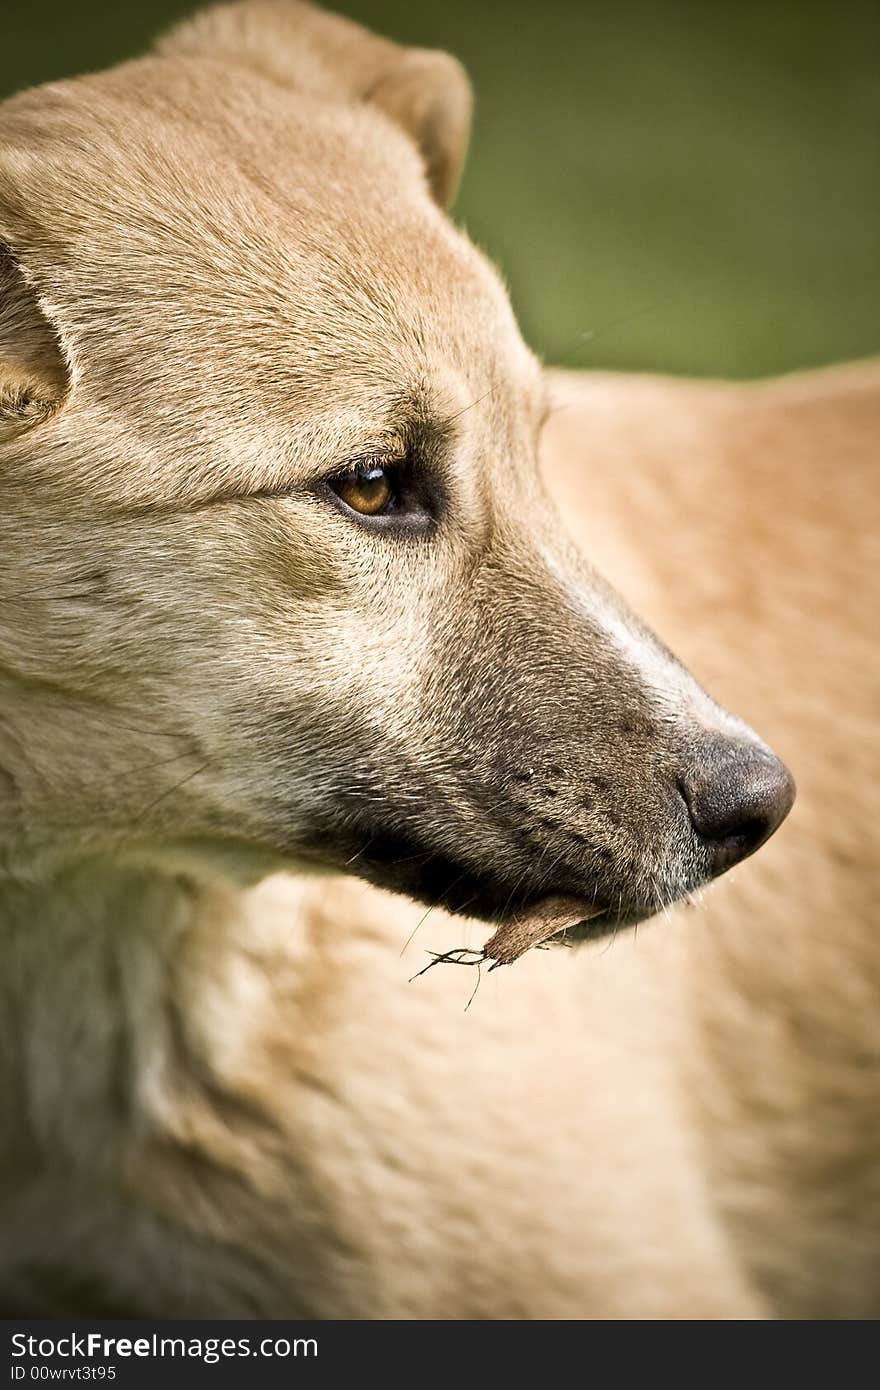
[693, 187]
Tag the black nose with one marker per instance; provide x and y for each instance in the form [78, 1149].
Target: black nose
[737, 794]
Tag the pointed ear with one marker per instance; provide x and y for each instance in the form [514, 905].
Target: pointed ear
[34, 374]
[425, 92]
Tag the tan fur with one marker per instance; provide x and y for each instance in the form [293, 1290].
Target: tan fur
[744, 521]
[222, 1096]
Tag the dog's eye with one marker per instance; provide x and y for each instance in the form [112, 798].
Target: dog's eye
[370, 490]
[392, 495]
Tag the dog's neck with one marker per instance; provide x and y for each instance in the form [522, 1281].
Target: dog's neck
[128, 1001]
[89, 956]
[99, 923]
[120, 980]
[97, 896]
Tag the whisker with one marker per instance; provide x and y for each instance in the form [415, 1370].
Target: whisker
[149, 767]
[363, 849]
[450, 419]
[591, 334]
[47, 598]
[168, 792]
[476, 986]
[419, 923]
[98, 713]
[439, 903]
[136, 729]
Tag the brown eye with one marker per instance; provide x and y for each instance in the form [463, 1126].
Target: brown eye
[369, 490]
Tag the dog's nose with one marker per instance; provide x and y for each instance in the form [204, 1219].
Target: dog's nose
[737, 794]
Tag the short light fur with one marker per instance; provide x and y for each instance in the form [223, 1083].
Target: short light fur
[222, 1095]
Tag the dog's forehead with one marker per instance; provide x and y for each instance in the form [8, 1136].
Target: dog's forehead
[241, 267]
[285, 218]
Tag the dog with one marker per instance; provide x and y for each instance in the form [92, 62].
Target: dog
[283, 596]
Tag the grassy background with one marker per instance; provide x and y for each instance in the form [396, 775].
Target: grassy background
[696, 184]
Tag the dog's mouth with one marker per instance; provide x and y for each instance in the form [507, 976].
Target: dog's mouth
[551, 919]
[523, 915]
[403, 864]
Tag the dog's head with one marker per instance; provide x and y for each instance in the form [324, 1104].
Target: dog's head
[278, 578]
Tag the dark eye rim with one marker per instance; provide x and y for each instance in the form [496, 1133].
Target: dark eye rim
[414, 510]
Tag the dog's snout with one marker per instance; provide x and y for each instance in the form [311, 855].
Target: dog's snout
[737, 794]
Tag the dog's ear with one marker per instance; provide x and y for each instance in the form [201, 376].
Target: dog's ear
[34, 372]
[425, 92]
[428, 94]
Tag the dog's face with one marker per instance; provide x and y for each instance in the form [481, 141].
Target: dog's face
[279, 578]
